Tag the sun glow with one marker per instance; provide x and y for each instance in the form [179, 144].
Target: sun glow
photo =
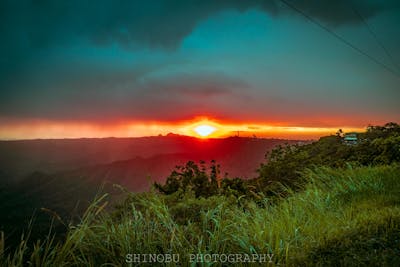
[204, 130]
[199, 127]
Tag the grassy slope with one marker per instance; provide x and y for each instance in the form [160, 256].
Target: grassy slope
[344, 217]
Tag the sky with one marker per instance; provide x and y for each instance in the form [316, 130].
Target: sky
[290, 68]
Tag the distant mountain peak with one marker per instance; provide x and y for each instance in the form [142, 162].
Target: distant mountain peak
[173, 135]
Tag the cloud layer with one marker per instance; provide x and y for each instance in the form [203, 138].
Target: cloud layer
[50, 54]
[160, 23]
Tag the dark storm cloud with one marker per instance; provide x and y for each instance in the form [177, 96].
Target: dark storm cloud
[194, 86]
[163, 23]
[59, 93]
[106, 95]
[31, 28]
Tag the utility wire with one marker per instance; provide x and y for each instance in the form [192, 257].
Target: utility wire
[388, 54]
[316, 22]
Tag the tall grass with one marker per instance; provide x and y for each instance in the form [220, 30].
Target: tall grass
[345, 217]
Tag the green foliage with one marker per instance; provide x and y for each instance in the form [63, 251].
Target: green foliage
[378, 145]
[348, 217]
[389, 129]
[192, 180]
[387, 150]
[236, 187]
[347, 213]
[191, 177]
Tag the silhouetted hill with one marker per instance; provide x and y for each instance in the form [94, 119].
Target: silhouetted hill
[238, 156]
[25, 156]
[64, 175]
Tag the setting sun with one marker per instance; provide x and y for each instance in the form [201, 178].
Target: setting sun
[204, 130]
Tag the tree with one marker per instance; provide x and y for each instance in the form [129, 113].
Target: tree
[192, 177]
[339, 133]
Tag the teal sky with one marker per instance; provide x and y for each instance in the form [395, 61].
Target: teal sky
[241, 61]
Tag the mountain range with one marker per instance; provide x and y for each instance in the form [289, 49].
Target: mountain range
[40, 178]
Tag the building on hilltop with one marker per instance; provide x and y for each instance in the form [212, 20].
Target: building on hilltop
[350, 138]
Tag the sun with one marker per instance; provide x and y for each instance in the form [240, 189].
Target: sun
[204, 130]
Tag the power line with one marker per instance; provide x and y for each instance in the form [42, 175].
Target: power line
[388, 54]
[340, 38]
